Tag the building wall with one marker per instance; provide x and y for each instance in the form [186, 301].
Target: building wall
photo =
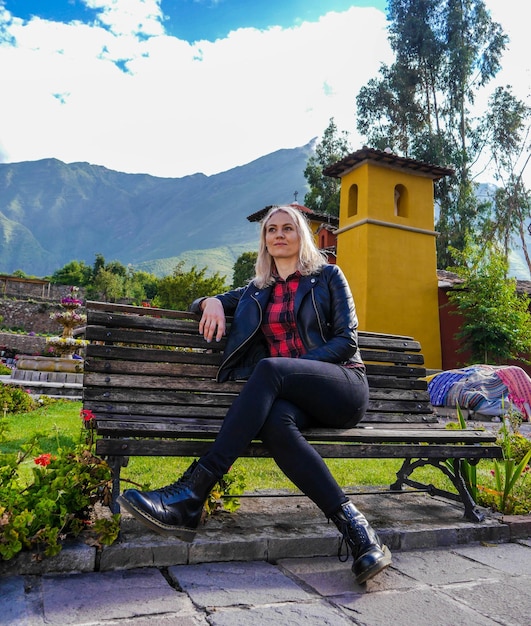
[388, 253]
[450, 323]
[13, 287]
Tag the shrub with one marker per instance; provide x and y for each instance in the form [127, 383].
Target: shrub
[56, 502]
[13, 399]
[520, 446]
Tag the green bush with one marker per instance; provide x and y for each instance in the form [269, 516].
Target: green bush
[13, 399]
[520, 446]
[4, 370]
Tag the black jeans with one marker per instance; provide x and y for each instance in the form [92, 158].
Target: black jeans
[282, 396]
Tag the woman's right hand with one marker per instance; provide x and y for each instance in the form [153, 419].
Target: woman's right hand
[212, 323]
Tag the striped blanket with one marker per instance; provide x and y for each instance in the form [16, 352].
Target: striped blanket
[484, 389]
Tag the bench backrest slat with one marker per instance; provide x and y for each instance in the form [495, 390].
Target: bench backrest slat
[152, 364]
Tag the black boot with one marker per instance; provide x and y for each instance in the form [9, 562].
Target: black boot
[370, 555]
[175, 509]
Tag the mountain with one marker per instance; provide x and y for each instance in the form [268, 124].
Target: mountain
[52, 213]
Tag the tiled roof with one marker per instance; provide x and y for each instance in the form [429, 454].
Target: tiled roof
[385, 157]
[447, 280]
[313, 215]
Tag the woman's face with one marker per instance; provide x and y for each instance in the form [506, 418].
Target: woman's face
[281, 237]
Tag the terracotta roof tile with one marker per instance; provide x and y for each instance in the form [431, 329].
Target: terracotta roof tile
[387, 158]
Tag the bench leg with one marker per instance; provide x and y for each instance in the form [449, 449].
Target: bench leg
[463, 495]
[471, 510]
[401, 476]
[115, 463]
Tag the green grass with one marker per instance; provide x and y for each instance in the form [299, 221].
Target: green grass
[59, 425]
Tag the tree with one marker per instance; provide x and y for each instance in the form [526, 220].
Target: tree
[243, 270]
[507, 130]
[180, 289]
[141, 286]
[109, 286]
[116, 268]
[73, 273]
[496, 321]
[99, 263]
[323, 196]
[445, 52]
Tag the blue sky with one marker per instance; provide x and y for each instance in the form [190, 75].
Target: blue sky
[193, 20]
[175, 87]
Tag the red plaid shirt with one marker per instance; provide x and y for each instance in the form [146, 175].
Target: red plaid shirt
[279, 325]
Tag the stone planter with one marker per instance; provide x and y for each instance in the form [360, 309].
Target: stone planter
[50, 364]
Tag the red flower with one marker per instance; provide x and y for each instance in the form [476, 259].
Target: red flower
[44, 459]
[87, 415]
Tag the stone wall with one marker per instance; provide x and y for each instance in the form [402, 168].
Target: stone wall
[26, 289]
[30, 316]
[12, 344]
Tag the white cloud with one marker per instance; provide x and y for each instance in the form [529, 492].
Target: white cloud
[124, 94]
[129, 17]
[516, 69]
[178, 108]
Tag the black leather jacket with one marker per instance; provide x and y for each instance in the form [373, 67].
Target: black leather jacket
[326, 321]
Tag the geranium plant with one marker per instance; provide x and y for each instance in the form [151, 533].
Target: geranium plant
[58, 500]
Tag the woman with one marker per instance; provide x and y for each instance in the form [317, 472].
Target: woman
[294, 339]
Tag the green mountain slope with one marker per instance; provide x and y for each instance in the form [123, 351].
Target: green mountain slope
[52, 213]
[219, 260]
[18, 242]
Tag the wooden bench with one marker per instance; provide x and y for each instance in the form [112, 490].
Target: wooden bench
[149, 380]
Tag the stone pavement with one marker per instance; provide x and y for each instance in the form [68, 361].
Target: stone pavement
[275, 562]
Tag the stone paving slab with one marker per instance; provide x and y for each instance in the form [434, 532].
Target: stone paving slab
[414, 607]
[442, 567]
[479, 585]
[17, 608]
[105, 596]
[307, 613]
[507, 600]
[236, 584]
[509, 558]
[239, 594]
[474, 585]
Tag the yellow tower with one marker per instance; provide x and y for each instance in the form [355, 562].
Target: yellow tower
[386, 244]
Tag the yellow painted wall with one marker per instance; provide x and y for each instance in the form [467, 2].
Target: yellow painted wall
[390, 260]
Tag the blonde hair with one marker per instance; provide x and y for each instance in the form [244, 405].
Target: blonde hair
[311, 259]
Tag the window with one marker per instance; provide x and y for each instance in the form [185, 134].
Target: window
[353, 201]
[401, 201]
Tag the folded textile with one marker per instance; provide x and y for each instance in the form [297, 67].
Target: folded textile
[519, 385]
[480, 391]
[440, 384]
[485, 389]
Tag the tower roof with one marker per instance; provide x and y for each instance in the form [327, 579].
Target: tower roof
[385, 158]
[312, 215]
